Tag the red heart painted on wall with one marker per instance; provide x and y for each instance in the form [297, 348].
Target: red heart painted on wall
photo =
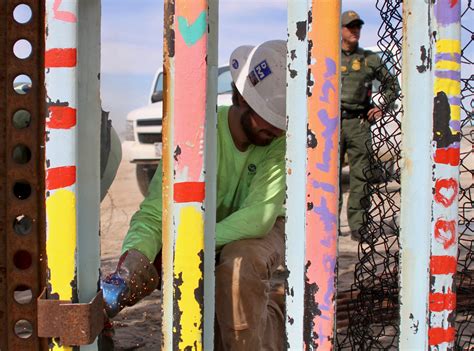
[445, 232]
[446, 191]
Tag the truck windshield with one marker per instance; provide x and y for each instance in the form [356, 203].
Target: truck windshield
[224, 80]
[159, 84]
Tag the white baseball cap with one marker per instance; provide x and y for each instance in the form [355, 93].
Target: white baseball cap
[259, 73]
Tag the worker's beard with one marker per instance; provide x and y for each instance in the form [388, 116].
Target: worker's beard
[253, 135]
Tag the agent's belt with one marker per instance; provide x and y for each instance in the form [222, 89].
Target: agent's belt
[350, 114]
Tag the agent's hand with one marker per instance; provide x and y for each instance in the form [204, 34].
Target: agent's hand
[374, 114]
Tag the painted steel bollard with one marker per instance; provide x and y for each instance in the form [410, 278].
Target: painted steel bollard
[312, 205]
[61, 151]
[72, 64]
[430, 174]
[431, 90]
[185, 175]
[88, 159]
[322, 175]
[445, 182]
[297, 112]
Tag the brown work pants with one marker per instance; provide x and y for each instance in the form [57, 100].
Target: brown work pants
[248, 317]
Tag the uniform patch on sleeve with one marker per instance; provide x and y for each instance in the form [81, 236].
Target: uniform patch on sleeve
[259, 73]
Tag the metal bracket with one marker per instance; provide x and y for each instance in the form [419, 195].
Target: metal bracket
[73, 323]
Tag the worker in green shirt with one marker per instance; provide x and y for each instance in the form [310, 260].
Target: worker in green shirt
[250, 195]
[359, 68]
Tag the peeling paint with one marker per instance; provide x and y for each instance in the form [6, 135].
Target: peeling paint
[424, 60]
[293, 55]
[293, 73]
[177, 313]
[415, 324]
[441, 118]
[311, 139]
[309, 83]
[177, 152]
[310, 49]
[170, 37]
[301, 30]
[310, 336]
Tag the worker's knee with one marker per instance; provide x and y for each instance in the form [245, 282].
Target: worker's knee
[243, 261]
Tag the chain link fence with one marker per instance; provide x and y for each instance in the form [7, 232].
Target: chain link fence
[368, 313]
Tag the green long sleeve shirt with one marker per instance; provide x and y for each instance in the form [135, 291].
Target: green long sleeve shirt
[250, 194]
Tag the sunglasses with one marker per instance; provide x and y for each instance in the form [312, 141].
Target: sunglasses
[354, 25]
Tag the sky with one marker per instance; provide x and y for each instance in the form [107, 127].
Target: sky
[132, 42]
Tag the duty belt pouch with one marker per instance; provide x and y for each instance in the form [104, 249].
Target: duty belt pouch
[347, 114]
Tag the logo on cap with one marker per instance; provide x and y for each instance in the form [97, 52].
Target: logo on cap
[259, 73]
[235, 64]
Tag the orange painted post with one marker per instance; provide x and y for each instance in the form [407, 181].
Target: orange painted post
[322, 174]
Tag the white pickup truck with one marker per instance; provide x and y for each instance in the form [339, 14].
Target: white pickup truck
[143, 129]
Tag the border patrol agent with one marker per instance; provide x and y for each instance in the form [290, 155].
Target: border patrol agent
[249, 210]
[359, 68]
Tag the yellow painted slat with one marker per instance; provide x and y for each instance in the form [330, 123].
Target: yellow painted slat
[188, 271]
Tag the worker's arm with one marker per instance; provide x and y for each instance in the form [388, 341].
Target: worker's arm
[263, 205]
[145, 234]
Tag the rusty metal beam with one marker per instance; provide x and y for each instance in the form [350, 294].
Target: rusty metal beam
[72, 323]
[167, 131]
[22, 212]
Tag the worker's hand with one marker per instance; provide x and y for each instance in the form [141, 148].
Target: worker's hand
[374, 114]
[115, 293]
[134, 278]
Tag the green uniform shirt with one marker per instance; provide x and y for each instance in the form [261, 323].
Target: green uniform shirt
[250, 194]
[358, 69]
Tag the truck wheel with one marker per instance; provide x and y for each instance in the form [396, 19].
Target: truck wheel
[144, 175]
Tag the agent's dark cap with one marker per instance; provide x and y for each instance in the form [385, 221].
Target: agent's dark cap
[349, 17]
